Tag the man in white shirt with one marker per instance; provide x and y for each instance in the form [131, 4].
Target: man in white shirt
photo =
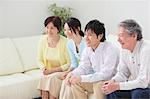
[98, 63]
[133, 77]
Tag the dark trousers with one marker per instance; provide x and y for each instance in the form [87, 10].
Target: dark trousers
[138, 93]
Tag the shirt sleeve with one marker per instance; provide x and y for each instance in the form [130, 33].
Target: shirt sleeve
[123, 70]
[111, 59]
[74, 60]
[40, 60]
[84, 65]
[66, 66]
[143, 78]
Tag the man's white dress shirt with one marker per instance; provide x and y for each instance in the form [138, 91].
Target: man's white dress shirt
[98, 65]
[136, 66]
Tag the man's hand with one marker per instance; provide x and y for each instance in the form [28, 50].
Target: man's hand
[110, 86]
[75, 79]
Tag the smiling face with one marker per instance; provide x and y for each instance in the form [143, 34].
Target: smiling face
[91, 39]
[51, 30]
[127, 41]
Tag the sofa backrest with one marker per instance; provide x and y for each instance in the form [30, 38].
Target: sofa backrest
[114, 39]
[27, 49]
[20, 54]
[9, 60]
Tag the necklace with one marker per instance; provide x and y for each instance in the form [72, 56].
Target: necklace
[52, 42]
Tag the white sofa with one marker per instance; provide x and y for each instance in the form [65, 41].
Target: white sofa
[19, 73]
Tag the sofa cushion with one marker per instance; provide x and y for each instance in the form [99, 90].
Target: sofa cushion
[27, 48]
[9, 59]
[18, 86]
[36, 73]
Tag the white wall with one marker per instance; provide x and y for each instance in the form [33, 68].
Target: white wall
[1, 18]
[25, 17]
[148, 32]
[111, 12]
[22, 18]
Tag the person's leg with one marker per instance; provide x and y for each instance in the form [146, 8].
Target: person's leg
[62, 89]
[45, 94]
[55, 85]
[43, 86]
[112, 96]
[140, 93]
[98, 94]
[121, 94]
[51, 96]
[67, 94]
[81, 89]
[77, 91]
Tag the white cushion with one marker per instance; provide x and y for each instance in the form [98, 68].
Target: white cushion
[27, 48]
[37, 73]
[18, 86]
[9, 59]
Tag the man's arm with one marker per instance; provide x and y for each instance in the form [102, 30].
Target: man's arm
[143, 77]
[84, 64]
[111, 59]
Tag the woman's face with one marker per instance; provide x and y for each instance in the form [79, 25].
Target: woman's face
[51, 30]
[68, 31]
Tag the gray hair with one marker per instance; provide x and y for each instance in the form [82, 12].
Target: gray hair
[132, 27]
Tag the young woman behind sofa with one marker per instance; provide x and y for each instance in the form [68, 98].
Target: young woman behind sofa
[53, 58]
[75, 45]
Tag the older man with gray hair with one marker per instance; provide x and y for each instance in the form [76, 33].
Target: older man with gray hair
[132, 80]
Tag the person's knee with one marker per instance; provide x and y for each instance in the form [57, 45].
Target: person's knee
[140, 93]
[111, 96]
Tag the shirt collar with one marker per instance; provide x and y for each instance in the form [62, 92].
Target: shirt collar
[137, 46]
[100, 47]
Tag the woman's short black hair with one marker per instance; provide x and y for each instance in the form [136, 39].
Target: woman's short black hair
[97, 27]
[55, 20]
[74, 24]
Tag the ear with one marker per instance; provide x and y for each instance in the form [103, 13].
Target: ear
[100, 36]
[78, 28]
[134, 36]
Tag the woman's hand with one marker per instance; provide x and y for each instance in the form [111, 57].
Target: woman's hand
[47, 71]
[64, 75]
[67, 80]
